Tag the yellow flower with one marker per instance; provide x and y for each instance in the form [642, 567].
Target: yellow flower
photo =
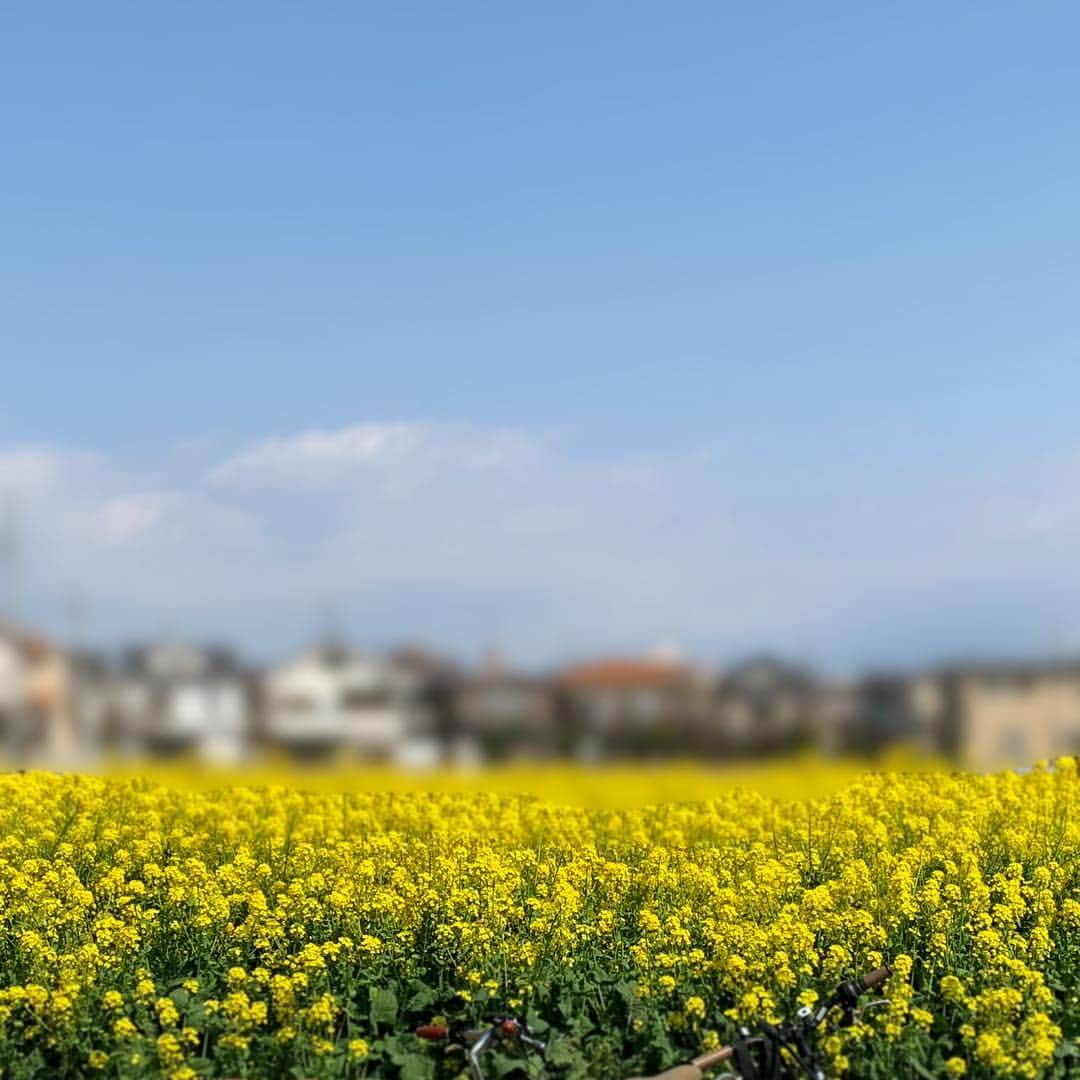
[758, 892]
[921, 1017]
[694, 1007]
[168, 1014]
[170, 1052]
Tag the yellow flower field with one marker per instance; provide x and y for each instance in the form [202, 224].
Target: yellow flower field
[164, 927]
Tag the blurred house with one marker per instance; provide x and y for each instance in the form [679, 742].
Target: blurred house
[882, 709]
[631, 707]
[995, 715]
[179, 697]
[49, 730]
[837, 715]
[502, 713]
[12, 688]
[92, 688]
[54, 705]
[415, 707]
[426, 682]
[332, 699]
[765, 705]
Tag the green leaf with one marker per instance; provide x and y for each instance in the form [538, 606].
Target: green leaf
[922, 1071]
[392, 1047]
[560, 1052]
[384, 1006]
[536, 1022]
[422, 999]
[417, 1067]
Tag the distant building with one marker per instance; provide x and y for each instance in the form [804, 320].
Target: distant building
[332, 699]
[883, 709]
[12, 690]
[765, 704]
[426, 682]
[503, 713]
[884, 712]
[179, 697]
[631, 706]
[47, 730]
[984, 716]
[39, 718]
[1000, 715]
[93, 700]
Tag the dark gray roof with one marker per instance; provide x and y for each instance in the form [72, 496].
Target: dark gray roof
[764, 674]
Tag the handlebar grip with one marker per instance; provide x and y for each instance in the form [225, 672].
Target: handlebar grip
[680, 1072]
[433, 1031]
[875, 977]
[713, 1057]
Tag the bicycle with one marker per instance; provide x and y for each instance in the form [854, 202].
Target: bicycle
[499, 1029]
[783, 1051]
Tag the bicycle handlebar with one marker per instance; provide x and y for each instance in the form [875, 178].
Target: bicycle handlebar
[713, 1057]
[433, 1031]
[875, 977]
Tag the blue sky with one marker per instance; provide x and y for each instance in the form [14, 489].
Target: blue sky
[574, 327]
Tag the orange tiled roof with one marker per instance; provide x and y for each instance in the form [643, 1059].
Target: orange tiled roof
[616, 673]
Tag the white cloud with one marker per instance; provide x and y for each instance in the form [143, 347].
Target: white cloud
[464, 532]
[125, 518]
[319, 459]
[27, 472]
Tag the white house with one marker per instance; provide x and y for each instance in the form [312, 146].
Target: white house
[177, 697]
[12, 689]
[334, 699]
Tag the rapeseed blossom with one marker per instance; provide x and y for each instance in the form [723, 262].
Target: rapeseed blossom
[154, 929]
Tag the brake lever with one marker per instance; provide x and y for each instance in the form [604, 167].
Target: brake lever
[877, 1003]
[476, 1050]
